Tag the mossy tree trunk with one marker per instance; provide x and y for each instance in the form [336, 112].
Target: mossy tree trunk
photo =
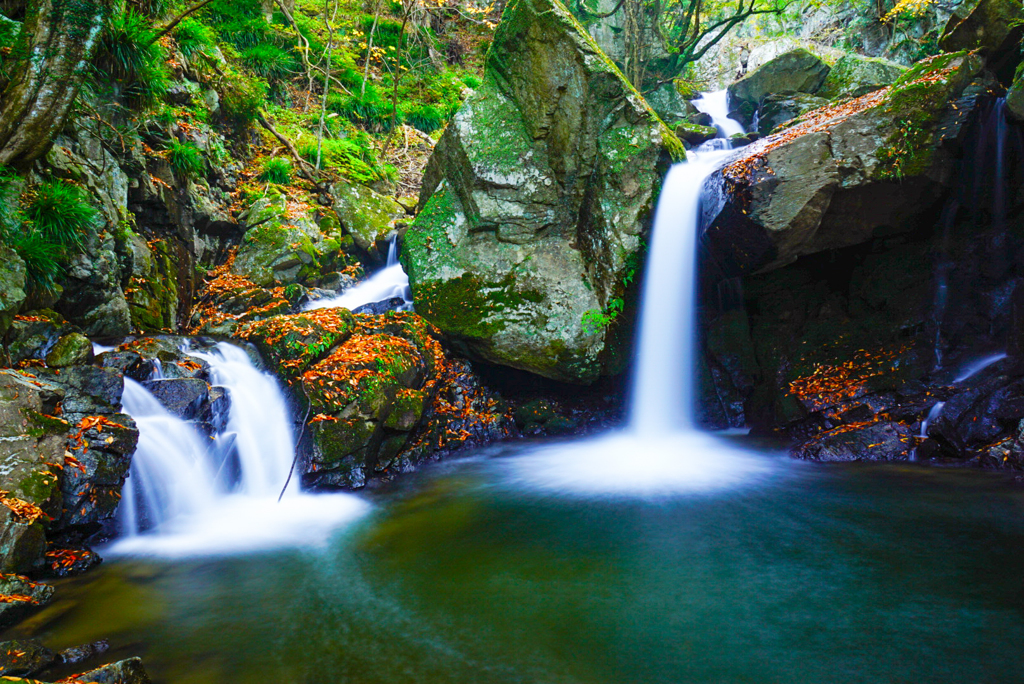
[52, 55]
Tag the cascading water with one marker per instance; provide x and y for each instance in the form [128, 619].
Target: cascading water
[661, 451]
[388, 283]
[177, 500]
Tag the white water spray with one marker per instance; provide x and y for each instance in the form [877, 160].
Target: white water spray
[661, 452]
[178, 502]
[389, 282]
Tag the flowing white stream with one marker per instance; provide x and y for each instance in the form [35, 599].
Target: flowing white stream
[177, 500]
[389, 282]
[661, 452]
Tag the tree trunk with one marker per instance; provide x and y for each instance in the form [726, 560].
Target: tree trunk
[56, 44]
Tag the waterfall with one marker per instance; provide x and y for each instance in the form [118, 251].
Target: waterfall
[178, 501]
[661, 452]
[391, 281]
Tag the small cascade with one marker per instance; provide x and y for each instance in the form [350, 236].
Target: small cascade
[388, 283]
[170, 475]
[932, 415]
[178, 500]
[976, 367]
[716, 105]
[661, 452]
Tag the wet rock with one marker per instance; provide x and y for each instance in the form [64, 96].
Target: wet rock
[854, 75]
[291, 344]
[671, 106]
[881, 441]
[102, 447]
[693, 135]
[34, 334]
[73, 349]
[80, 654]
[534, 201]
[12, 286]
[153, 297]
[128, 671]
[90, 391]
[183, 397]
[65, 561]
[22, 597]
[383, 306]
[24, 657]
[543, 417]
[796, 71]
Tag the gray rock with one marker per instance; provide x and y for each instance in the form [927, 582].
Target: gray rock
[73, 349]
[128, 671]
[24, 657]
[32, 596]
[776, 110]
[796, 71]
[12, 286]
[364, 214]
[535, 199]
[184, 397]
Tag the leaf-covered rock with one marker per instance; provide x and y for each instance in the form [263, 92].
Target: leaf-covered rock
[796, 71]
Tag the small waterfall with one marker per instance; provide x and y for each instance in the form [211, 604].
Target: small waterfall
[177, 500]
[716, 105]
[170, 475]
[661, 452]
[976, 367]
[932, 415]
[387, 283]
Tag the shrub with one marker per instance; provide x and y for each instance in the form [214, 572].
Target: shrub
[44, 261]
[425, 117]
[194, 37]
[345, 156]
[62, 213]
[371, 110]
[269, 61]
[277, 170]
[242, 96]
[471, 81]
[186, 158]
[127, 54]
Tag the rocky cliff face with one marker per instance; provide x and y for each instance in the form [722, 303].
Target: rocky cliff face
[535, 203]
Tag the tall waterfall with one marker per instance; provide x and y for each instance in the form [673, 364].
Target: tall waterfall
[178, 500]
[661, 452]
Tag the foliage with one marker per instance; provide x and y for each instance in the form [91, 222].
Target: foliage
[127, 54]
[346, 156]
[194, 37]
[269, 61]
[242, 97]
[186, 158]
[45, 226]
[276, 170]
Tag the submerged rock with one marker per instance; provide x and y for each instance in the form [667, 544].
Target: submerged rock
[535, 201]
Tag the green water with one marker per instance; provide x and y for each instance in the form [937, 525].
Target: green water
[815, 574]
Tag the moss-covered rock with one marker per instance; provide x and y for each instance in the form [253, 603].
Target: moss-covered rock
[778, 110]
[854, 75]
[535, 201]
[12, 286]
[992, 26]
[694, 134]
[796, 71]
[152, 293]
[364, 214]
[70, 350]
[840, 172]
[282, 245]
[293, 343]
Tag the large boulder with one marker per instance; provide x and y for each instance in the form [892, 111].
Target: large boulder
[536, 200]
[776, 110]
[991, 26]
[796, 71]
[853, 76]
[844, 171]
[365, 215]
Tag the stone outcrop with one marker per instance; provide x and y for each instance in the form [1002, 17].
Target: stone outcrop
[796, 71]
[535, 202]
[991, 26]
[12, 287]
[380, 394]
[853, 76]
[845, 171]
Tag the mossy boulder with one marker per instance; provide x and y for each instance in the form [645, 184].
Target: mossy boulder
[33, 334]
[152, 293]
[854, 75]
[12, 286]
[293, 343]
[364, 214]
[694, 134]
[535, 202]
[72, 349]
[841, 172]
[282, 245]
[796, 71]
